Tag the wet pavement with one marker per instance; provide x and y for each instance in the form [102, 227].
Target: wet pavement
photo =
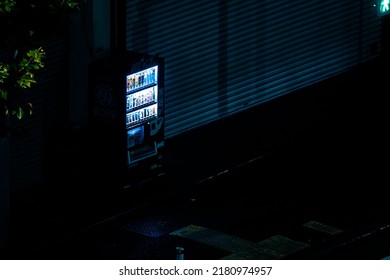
[305, 178]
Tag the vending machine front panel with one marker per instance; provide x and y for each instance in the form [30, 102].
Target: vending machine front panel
[141, 111]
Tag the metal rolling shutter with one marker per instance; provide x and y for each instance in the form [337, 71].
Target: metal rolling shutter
[222, 57]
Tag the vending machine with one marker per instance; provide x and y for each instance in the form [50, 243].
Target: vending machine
[127, 111]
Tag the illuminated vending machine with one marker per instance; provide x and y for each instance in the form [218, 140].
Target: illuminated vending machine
[144, 118]
[128, 111]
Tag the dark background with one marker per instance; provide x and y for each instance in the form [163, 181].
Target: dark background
[318, 153]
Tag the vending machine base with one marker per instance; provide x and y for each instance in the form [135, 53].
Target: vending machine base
[145, 165]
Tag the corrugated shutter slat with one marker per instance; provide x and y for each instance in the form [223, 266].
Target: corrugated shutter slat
[222, 57]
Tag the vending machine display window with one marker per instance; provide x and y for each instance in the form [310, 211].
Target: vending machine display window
[140, 116]
[142, 79]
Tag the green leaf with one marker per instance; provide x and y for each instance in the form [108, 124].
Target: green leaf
[26, 80]
[23, 63]
[21, 72]
[19, 113]
[4, 72]
[30, 108]
[32, 60]
[3, 94]
[7, 6]
[72, 4]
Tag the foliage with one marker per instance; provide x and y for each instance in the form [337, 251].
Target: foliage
[23, 27]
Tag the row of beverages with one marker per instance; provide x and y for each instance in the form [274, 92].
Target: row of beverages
[141, 115]
[141, 98]
[141, 79]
